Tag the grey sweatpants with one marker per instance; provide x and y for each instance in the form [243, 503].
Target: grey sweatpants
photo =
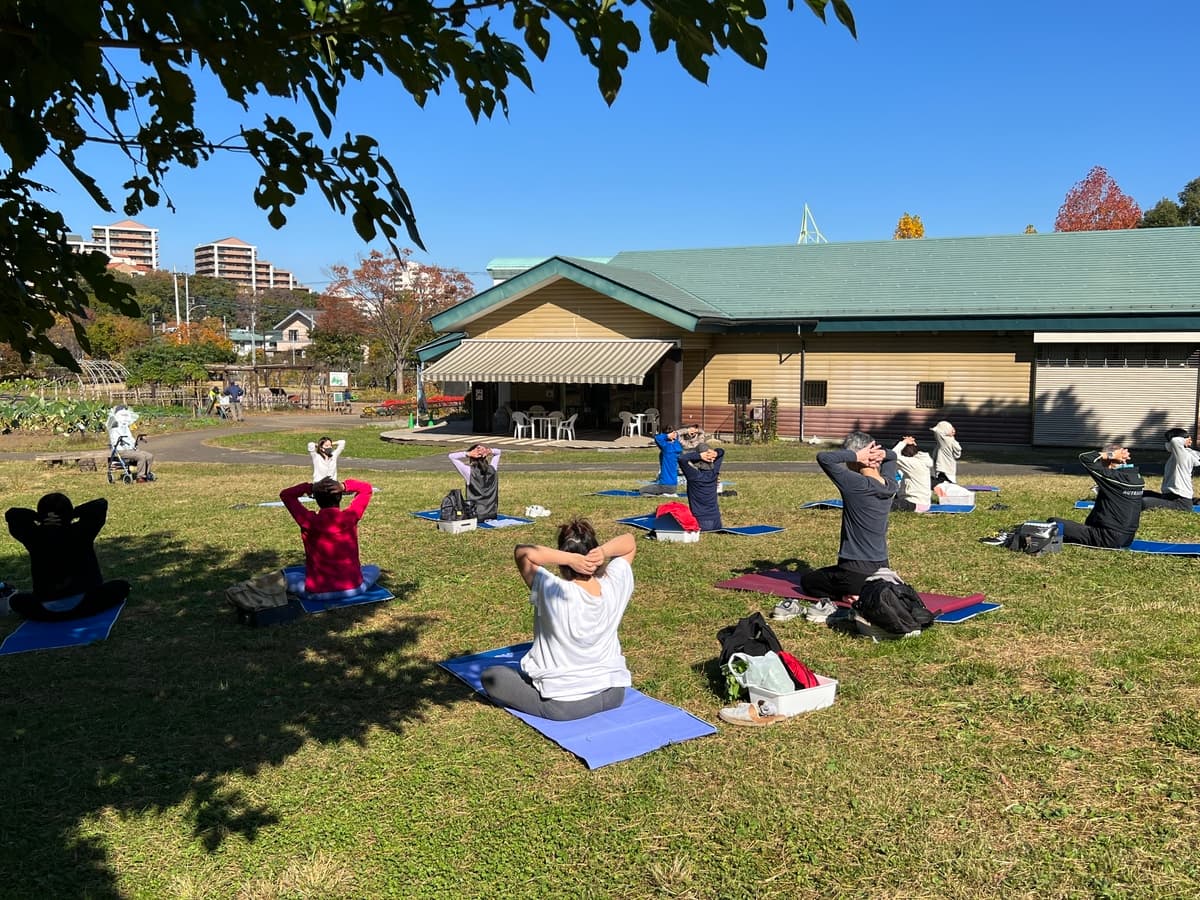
[511, 688]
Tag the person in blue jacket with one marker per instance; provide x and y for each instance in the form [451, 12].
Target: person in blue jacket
[702, 469]
[669, 449]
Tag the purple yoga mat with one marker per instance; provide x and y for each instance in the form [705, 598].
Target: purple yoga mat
[779, 583]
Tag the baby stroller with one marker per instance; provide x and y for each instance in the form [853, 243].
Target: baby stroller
[119, 467]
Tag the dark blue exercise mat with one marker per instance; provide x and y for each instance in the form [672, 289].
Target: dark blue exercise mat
[52, 635]
[835, 503]
[280, 502]
[651, 523]
[641, 724]
[967, 612]
[435, 515]
[982, 488]
[1088, 504]
[617, 492]
[948, 508]
[1162, 548]
[377, 594]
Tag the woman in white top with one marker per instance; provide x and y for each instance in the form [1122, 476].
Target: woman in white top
[917, 467]
[945, 458]
[325, 453]
[575, 667]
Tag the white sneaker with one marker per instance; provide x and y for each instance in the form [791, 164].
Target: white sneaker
[819, 611]
[788, 609]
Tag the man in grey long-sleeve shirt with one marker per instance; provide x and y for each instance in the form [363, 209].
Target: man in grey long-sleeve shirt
[865, 475]
[1177, 491]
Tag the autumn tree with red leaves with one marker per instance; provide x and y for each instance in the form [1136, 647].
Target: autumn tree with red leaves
[394, 297]
[1097, 204]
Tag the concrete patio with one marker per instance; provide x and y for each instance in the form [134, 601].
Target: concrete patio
[458, 431]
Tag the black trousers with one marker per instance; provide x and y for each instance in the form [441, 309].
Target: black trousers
[836, 582]
[1155, 500]
[98, 599]
[1091, 536]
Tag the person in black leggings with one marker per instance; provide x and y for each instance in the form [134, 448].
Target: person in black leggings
[60, 538]
[1114, 519]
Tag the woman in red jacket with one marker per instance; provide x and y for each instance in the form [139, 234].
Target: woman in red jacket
[332, 570]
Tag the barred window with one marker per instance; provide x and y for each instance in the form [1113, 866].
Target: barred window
[931, 394]
[816, 393]
[739, 390]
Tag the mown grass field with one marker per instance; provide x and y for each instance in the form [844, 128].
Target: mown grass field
[1050, 749]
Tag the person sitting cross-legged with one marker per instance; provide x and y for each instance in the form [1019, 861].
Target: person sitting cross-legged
[1177, 491]
[60, 538]
[702, 469]
[332, 570]
[575, 667]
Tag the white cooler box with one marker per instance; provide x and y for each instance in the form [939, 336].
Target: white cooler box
[795, 702]
[457, 526]
[678, 537]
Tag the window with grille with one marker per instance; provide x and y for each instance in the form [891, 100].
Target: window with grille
[739, 390]
[931, 394]
[816, 393]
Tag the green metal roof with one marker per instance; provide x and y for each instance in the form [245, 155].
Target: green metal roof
[1094, 279]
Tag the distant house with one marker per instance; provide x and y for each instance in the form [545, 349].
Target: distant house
[248, 342]
[295, 331]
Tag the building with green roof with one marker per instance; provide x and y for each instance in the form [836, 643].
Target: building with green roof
[1064, 338]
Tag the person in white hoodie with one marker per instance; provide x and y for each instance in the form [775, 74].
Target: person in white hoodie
[1177, 491]
[917, 468]
[325, 453]
[945, 458]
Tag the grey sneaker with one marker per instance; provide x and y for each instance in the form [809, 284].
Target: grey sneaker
[1000, 540]
[820, 611]
[788, 609]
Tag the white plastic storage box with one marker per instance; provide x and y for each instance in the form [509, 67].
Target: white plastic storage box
[457, 526]
[678, 537]
[795, 702]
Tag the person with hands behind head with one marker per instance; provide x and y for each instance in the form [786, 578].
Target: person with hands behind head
[1114, 519]
[1177, 491]
[669, 449]
[477, 465]
[575, 667]
[332, 570]
[865, 475]
[948, 452]
[324, 454]
[917, 468]
[702, 470]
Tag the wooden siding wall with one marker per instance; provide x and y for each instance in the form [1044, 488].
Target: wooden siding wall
[872, 383]
[564, 309]
[1089, 406]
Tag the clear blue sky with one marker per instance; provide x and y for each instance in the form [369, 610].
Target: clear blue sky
[978, 117]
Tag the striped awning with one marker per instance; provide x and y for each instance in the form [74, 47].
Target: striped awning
[553, 361]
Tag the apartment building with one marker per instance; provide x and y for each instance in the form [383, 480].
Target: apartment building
[129, 243]
[239, 262]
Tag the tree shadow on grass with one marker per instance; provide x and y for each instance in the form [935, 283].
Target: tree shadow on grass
[180, 704]
[792, 565]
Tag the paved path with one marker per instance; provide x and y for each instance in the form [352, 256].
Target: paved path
[195, 446]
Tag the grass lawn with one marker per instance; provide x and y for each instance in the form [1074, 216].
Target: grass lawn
[1046, 750]
[364, 442]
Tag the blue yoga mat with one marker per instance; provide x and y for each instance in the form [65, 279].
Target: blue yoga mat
[967, 612]
[52, 635]
[641, 724]
[982, 488]
[650, 523]
[948, 508]
[1089, 504]
[280, 502]
[822, 504]
[434, 515]
[376, 594]
[616, 492]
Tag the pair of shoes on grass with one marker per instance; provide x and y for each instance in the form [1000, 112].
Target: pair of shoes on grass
[999, 540]
[791, 609]
[755, 714]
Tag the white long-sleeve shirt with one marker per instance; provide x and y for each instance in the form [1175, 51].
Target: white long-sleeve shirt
[918, 475]
[325, 466]
[1177, 472]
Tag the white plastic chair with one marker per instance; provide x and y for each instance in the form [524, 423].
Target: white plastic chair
[555, 418]
[651, 420]
[629, 423]
[521, 423]
[566, 428]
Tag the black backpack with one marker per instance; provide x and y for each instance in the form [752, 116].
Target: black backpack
[455, 507]
[893, 607]
[751, 635]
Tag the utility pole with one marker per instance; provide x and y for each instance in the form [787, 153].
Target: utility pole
[175, 279]
[187, 299]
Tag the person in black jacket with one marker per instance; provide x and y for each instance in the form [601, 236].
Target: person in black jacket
[702, 470]
[865, 475]
[1114, 519]
[67, 583]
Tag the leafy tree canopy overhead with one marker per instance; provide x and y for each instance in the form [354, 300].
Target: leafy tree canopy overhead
[120, 75]
[1164, 214]
[1097, 203]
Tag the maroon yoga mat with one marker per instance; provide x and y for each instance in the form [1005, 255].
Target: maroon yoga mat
[779, 583]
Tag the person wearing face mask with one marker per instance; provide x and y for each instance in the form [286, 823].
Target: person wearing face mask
[325, 453]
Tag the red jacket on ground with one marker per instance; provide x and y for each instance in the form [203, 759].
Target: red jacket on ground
[330, 538]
